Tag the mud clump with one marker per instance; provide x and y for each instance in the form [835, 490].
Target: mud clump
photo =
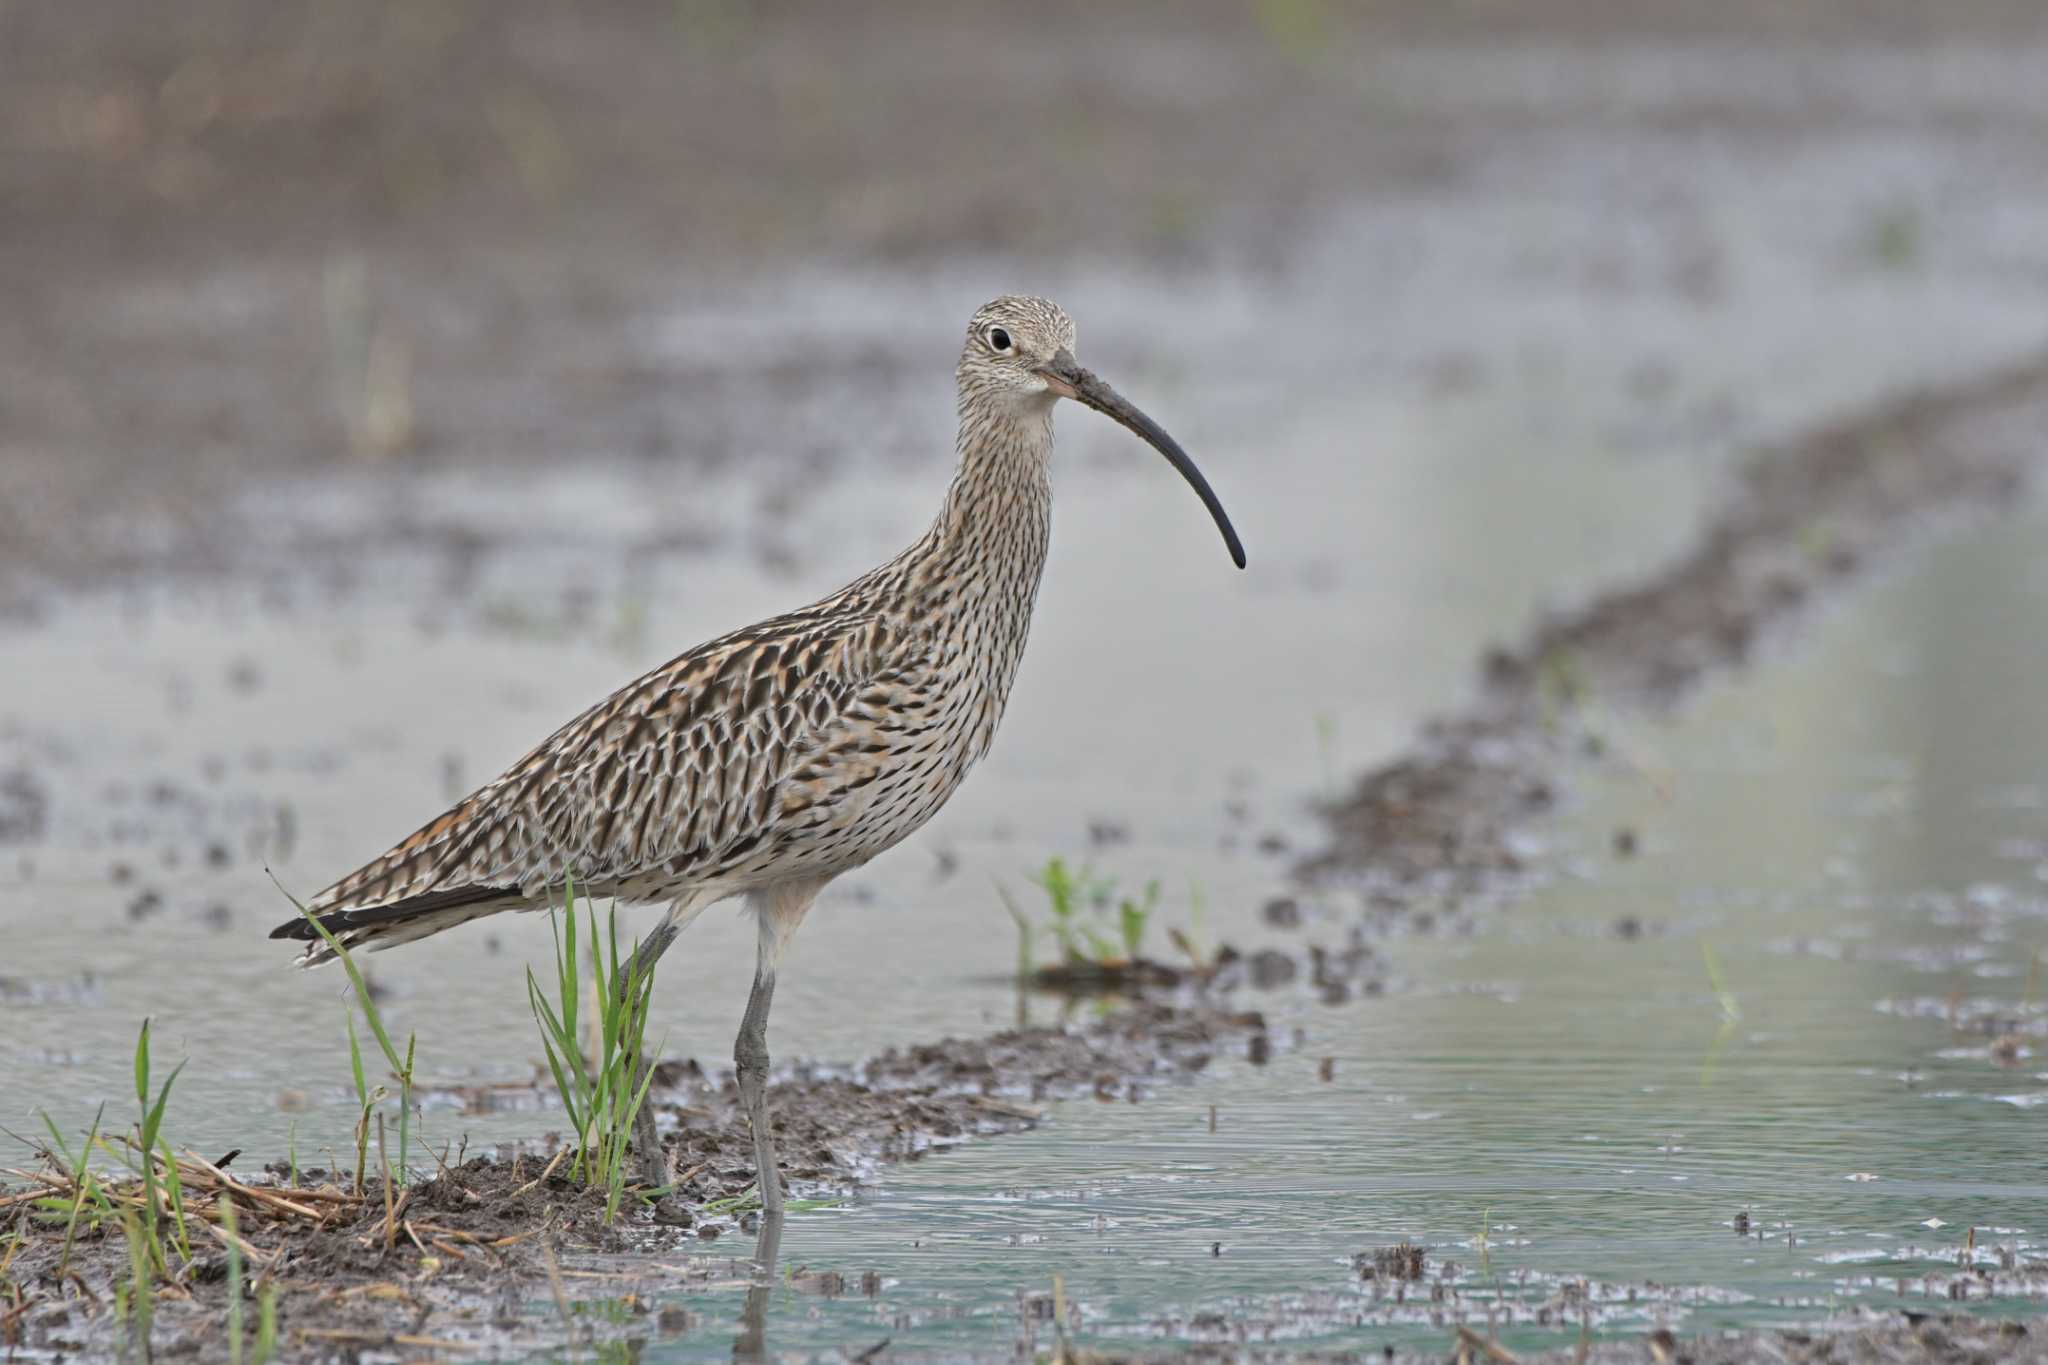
[24, 807]
[1402, 1261]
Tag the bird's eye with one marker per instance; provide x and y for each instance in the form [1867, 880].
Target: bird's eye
[998, 338]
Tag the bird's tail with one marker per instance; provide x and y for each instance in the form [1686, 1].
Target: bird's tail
[377, 927]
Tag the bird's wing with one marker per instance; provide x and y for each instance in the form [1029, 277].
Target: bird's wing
[668, 780]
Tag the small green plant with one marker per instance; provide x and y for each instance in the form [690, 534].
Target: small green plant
[1731, 1011]
[89, 1191]
[403, 1070]
[1561, 681]
[602, 1097]
[174, 1186]
[1068, 894]
[368, 1097]
[1077, 903]
[148, 1139]
[266, 1325]
[135, 1302]
[1132, 917]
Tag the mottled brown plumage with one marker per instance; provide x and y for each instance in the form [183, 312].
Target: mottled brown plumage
[771, 760]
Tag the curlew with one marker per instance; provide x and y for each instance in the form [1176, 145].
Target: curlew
[769, 761]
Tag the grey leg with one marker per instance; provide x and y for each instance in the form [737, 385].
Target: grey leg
[652, 1163]
[779, 909]
[750, 1055]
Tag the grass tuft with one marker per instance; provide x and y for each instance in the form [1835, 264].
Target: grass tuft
[602, 1096]
[1077, 903]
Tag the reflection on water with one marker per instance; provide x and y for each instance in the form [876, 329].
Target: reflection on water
[752, 1342]
[1772, 1050]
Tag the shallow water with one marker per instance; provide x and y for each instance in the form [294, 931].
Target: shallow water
[1417, 431]
[1855, 837]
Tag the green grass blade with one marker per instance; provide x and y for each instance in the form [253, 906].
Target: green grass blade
[266, 1325]
[355, 1060]
[355, 979]
[142, 1066]
[175, 1184]
[155, 1118]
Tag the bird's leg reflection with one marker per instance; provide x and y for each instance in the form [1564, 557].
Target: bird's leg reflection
[752, 1342]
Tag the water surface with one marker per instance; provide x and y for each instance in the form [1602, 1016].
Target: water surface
[1856, 840]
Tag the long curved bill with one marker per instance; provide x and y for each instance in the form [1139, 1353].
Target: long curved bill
[1065, 377]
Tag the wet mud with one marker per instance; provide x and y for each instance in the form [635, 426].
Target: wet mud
[452, 1262]
[834, 1127]
[1472, 1306]
[1901, 1338]
[491, 1252]
[1895, 1338]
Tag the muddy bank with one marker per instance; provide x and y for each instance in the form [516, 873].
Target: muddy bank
[1803, 521]
[1904, 1337]
[835, 1126]
[492, 1253]
[479, 1254]
[1899, 1338]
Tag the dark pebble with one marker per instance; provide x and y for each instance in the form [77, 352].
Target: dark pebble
[1282, 912]
[1269, 967]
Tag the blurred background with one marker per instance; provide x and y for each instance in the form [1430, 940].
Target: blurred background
[382, 383]
[251, 240]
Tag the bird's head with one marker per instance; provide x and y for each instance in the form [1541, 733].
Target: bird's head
[1019, 355]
